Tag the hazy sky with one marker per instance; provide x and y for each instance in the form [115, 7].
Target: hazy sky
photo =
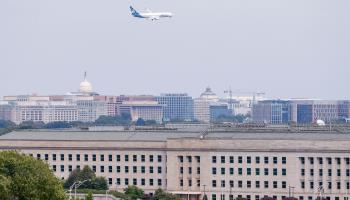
[286, 48]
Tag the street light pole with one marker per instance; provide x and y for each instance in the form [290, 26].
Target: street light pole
[77, 185]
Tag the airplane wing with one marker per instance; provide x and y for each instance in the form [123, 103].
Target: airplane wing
[155, 18]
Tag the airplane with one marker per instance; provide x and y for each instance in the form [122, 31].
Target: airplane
[149, 14]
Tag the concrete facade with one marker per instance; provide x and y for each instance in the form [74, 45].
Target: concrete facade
[222, 165]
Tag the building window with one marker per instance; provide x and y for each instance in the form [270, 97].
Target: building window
[257, 184]
[213, 170]
[159, 182]
[338, 186]
[110, 169]
[223, 183]
[70, 168]
[46, 156]
[151, 158]
[213, 159]
[275, 171]
[302, 172]
[249, 184]
[213, 197]
[222, 170]
[126, 158]
[338, 161]
[70, 157]
[134, 181]
[240, 184]
[118, 181]
[257, 171]
[198, 158]
[240, 159]
[160, 158]
[329, 161]
[231, 171]
[94, 168]
[320, 160]
[54, 157]
[302, 184]
[284, 184]
[240, 171]
[151, 182]
[62, 168]
[311, 172]
[143, 169]
[181, 170]
[329, 172]
[338, 172]
[118, 158]
[311, 160]
[302, 160]
[143, 181]
[134, 169]
[77, 157]
[284, 171]
[126, 181]
[249, 159]
[213, 183]
[266, 160]
[134, 158]
[118, 169]
[222, 159]
[311, 185]
[329, 185]
[160, 170]
[266, 184]
[110, 181]
[284, 160]
[86, 157]
[110, 158]
[181, 182]
[62, 157]
[274, 184]
[93, 157]
[266, 171]
[198, 170]
[275, 160]
[151, 170]
[249, 171]
[257, 160]
[102, 158]
[231, 183]
[143, 158]
[54, 168]
[126, 169]
[231, 159]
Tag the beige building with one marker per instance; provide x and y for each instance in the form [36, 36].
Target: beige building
[201, 105]
[222, 165]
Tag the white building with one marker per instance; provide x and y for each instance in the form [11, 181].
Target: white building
[222, 165]
[147, 110]
[201, 105]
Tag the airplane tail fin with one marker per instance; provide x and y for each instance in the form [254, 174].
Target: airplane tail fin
[133, 11]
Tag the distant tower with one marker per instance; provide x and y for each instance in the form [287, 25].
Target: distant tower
[85, 86]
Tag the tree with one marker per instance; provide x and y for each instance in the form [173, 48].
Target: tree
[162, 195]
[123, 119]
[98, 183]
[58, 124]
[134, 192]
[7, 124]
[89, 196]
[31, 125]
[24, 177]
[140, 122]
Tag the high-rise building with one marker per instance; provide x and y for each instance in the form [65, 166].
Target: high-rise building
[146, 110]
[176, 107]
[90, 109]
[272, 112]
[219, 109]
[201, 105]
[6, 111]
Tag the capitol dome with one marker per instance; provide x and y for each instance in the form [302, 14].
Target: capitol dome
[85, 86]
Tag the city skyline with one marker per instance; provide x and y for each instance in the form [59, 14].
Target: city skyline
[286, 49]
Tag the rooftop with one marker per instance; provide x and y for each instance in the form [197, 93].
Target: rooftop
[35, 135]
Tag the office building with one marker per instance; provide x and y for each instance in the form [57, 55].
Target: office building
[222, 165]
[177, 107]
[201, 105]
[272, 112]
[146, 110]
[6, 111]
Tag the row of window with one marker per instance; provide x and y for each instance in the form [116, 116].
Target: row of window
[102, 157]
[321, 160]
[135, 181]
[258, 197]
[329, 172]
[249, 184]
[248, 159]
[102, 169]
[329, 185]
[248, 171]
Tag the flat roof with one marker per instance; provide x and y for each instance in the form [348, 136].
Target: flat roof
[164, 135]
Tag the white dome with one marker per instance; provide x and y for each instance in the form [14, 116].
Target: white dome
[85, 86]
